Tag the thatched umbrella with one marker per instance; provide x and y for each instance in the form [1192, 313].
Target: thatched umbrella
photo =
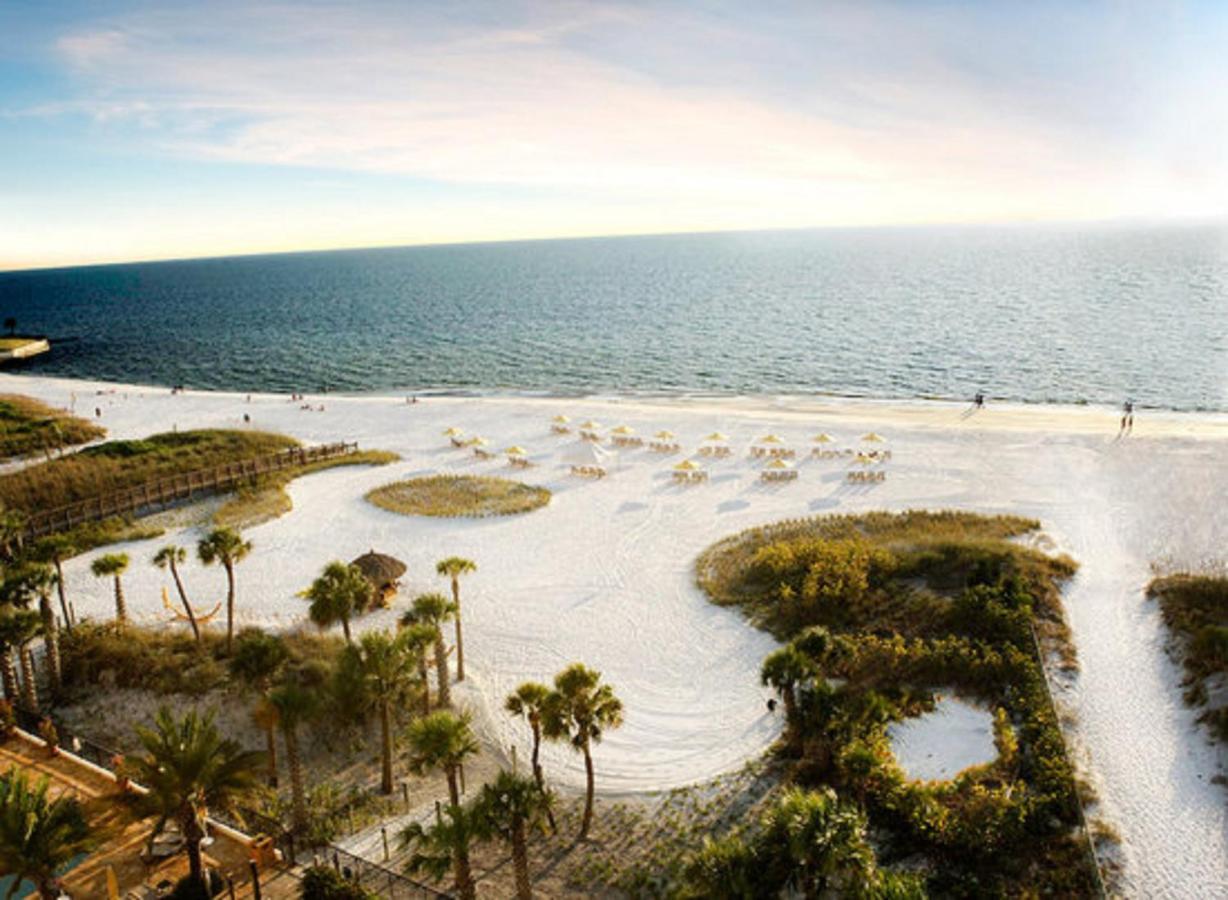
[382, 571]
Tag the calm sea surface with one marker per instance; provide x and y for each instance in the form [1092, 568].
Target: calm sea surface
[1031, 313]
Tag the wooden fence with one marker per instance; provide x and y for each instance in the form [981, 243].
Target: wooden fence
[176, 488]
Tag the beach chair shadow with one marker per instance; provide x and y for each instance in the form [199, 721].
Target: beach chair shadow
[731, 505]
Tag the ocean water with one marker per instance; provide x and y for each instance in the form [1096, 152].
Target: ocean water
[1037, 314]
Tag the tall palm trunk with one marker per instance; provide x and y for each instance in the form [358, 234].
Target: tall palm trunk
[59, 586]
[385, 716]
[29, 690]
[270, 743]
[520, 860]
[453, 788]
[189, 826]
[8, 673]
[295, 764]
[345, 628]
[121, 607]
[183, 598]
[426, 685]
[230, 605]
[441, 671]
[460, 644]
[464, 875]
[588, 792]
[51, 641]
[539, 776]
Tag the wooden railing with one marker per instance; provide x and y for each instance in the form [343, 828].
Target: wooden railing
[152, 495]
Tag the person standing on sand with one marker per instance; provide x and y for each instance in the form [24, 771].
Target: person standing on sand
[1127, 418]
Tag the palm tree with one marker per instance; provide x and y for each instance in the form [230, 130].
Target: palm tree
[189, 767]
[783, 670]
[579, 710]
[528, 700]
[257, 661]
[17, 628]
[22, 585]
[340, 592]
[442, 740]
[54, 550]
[226, 546]
[12, 530]
[419, 637]
[442, 846]
[454, 567]
[38, 835]
[295, 704]
[433, 610]
[114, 565]
[813, 842]
[510, 809]
[171, 557]
[381, 666]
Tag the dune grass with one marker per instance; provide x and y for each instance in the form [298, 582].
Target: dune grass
[1195, 609]
[29, 427]
[268, 499]
[459, 495]
[120, 464]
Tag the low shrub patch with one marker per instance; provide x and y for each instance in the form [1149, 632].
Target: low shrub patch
[459, 495]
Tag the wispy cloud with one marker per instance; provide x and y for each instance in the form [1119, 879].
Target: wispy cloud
[782, 113]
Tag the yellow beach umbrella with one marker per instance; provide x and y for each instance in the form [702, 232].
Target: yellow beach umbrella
[823, 438]
[687, 465]
[717, 436]
[454, 431]
[561, 419]
[778, 464]
[664, 435]
[873, 437]
[590, 424]
[623, 429]
[771, 439]
[515, 451]
[479, 442]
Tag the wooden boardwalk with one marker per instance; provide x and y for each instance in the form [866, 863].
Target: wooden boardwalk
[152, 495]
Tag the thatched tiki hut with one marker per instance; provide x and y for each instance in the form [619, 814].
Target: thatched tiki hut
[382, 571]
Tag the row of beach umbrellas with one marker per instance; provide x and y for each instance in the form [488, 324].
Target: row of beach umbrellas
[714, 437]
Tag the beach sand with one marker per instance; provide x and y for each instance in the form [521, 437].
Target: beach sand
[604, 573]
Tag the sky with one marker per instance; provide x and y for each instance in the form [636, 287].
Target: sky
[148, 130]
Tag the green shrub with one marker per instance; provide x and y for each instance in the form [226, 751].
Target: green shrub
[323, 883]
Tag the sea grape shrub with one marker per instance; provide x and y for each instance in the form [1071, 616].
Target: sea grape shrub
[819, 581]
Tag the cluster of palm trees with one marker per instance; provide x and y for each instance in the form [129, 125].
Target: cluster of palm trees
[28, 580]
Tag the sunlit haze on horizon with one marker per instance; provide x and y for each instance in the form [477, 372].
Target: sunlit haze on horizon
[144, 130]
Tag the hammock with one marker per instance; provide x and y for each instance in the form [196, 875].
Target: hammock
[177, 616]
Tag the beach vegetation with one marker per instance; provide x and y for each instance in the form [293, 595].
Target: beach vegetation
[340, 593]
[189, 767]
[459, 496]
[881, 612]
[226, 547]
[115, 465]
[29, 427]
[433, 611]
[443, 846]
[1195, 610]
[580, 710]
[453, 568]
[511, 808]
[113, 566]
[325, 883]
[39, 834]
[266, 498]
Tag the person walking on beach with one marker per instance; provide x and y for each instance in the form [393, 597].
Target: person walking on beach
[1127, 420]
[979, 400]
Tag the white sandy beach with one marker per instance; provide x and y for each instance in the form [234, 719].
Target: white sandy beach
[604, 573]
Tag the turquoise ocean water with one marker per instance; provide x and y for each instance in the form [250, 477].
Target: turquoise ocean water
[1064, 314]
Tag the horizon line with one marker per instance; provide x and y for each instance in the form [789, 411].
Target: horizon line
[1117, 221]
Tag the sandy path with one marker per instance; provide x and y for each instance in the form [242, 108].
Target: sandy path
[604, 573]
